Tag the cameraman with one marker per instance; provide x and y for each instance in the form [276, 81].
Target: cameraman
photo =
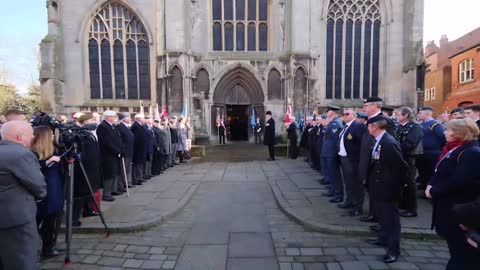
[90, 152]
[49, 211]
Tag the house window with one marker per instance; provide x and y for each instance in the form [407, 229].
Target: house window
[118, 55]
[240, 25]
[353, 49]
[430, 94]
[466, 71]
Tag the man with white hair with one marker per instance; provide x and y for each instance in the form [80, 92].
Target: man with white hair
[139, 149]
[21, 184]
[110, 144]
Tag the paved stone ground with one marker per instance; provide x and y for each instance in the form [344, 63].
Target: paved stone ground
[298, 191]
[233, 222]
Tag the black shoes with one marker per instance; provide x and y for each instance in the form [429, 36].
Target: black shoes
[376, 242]
[327, 194]
[116, 193]
[371, 219]
[390, 258]
[108, 199]
[53, 253]
[76, 224]
[344, 205]
[336, 200]
[376, 228]
[408, 214]
[90, 214]
[354, 213]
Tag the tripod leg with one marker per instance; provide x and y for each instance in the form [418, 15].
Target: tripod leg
[125, 176]
[107, 231]
[68, 231]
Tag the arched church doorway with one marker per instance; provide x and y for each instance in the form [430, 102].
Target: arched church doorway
[236, 95]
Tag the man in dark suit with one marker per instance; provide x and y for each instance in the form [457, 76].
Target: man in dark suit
[386, 173]
[372, 107]
[269, 137]
[174, 137]
[150, 137]
[157, 166]
[139, 149]
[21, 184]
[166, 147]
[110, 144]
[292, 137]
[127, 145]
[330, 154]
[410, 135]
[349, 153]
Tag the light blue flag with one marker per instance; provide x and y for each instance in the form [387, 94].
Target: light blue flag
[253, 121]
[185, 109]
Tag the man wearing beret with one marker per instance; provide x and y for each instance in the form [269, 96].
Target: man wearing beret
[433, 142]
[386, 172]
[110, 144]
[457, 113]
[329, 154]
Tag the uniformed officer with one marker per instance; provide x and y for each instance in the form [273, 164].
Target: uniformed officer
[312, 139]
[386, 173]
[322, 123]
[330, 154]
[304, 139]
[433, 142]
[410, 135]
[362, 118]
[457, 113]
[269, 135]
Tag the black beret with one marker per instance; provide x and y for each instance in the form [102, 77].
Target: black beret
[458, 109]
[373, 99]
[323, 116]
[268, 113]
[362, 115]
[376, 119]
[387, 109]
[426, 108]
[156, 121]
[333, 108]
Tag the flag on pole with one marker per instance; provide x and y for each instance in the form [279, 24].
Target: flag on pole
[185, 109]
[315, 113]
[288, 114]
[141, 108]
[164, 112]
[300, 120]
[253, 121]
[218, 118]
[150, 111]
[157, 113]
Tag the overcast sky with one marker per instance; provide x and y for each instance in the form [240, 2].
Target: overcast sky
[24, 24]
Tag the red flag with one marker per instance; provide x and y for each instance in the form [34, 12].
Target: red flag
[287, 115]
[164, 112]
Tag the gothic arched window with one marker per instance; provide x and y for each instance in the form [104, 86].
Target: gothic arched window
[240, 25]
[353, 49]
[118, 52]
[176, 89]
[202, 83]
[299, 89]
[275, 89]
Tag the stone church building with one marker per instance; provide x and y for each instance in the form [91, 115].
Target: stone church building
[230, 56]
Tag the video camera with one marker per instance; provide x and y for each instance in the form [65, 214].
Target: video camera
[69, 134]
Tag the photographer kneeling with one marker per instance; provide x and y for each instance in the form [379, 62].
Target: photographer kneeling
[49, 211]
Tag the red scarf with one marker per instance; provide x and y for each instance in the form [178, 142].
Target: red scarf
[451, 145]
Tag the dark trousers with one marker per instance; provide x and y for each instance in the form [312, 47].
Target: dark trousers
[137, 173]
[156, 163]
[221, 139]
[258, 138]
[333, 174]
[49, 227]
[271, 151]
[352, 184]
[409, 191]
[426, 165]
[18, 247]
[389, 219]
[164, 161]
[462, 255]
[293, 149]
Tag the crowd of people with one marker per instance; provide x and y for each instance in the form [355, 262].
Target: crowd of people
[115, 154]
[393, 153]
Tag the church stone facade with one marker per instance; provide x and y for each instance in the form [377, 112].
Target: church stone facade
[230, 57]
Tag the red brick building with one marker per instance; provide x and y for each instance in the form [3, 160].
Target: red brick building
[439, 77]
[465, 82]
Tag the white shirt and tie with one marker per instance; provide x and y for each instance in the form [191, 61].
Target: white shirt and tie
[343, 152]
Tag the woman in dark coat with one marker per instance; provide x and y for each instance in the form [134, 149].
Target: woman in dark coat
[456, 181]
[49, 210]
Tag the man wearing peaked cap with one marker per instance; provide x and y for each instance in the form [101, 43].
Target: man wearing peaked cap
[362, 117]
[333, 108]
[385, 174]
[426, 108]
[387, 111]
[373, 99]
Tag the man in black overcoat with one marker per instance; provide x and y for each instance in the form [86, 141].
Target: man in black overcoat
[150, 137]
[386, 172]
[139, 149]
[292, 137]
[127, 146]
[269, 136]
[157, 167]
[110, 143]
